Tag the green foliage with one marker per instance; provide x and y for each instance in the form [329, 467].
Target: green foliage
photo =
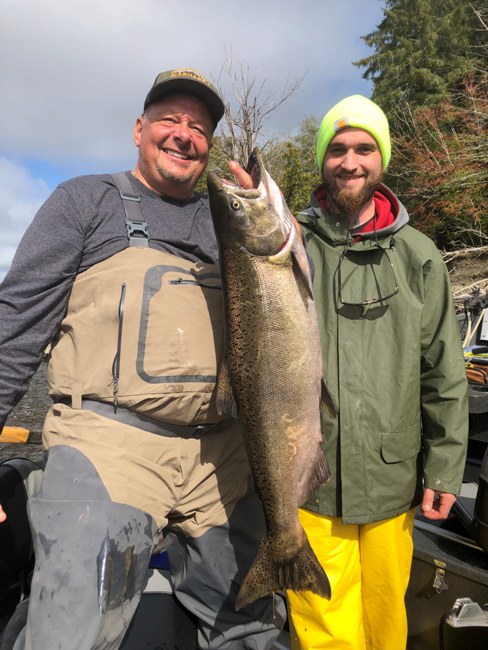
[294, 181]
[297, 173]
[217, 161]
[440, 165]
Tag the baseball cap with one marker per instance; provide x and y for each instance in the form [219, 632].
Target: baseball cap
[187, 80]
[360, 112]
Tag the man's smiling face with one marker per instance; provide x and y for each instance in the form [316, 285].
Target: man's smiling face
[352, 170]
[174, 138]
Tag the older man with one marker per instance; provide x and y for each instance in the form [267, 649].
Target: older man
[120, 273]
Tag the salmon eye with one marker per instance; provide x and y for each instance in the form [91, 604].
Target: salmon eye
[235, 205]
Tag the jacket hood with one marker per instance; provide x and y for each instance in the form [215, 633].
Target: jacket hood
[334, 228]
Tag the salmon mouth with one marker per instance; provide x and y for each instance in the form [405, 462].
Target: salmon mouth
[264, 198]
[231, 187]
[254, 170]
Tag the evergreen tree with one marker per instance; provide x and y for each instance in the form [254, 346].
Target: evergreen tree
[423, 48]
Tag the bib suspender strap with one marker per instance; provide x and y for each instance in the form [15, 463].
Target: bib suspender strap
[137, 230]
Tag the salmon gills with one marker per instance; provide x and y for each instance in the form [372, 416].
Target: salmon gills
[271, 376]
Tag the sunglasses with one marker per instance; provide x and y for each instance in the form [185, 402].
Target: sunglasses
[383, 293]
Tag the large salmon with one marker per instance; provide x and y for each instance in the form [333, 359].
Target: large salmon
[271, 375]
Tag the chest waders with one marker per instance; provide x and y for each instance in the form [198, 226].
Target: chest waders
[152, 323]
[91, 552]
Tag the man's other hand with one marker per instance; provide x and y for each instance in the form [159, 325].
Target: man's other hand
[241, 176]
[436, 505]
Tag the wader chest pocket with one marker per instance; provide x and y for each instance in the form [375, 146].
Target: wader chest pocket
[144, 329]
[181, 326]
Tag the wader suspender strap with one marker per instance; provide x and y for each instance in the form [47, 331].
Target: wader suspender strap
[137, 230]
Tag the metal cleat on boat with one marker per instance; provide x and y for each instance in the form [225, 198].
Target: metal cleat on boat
[466, 612]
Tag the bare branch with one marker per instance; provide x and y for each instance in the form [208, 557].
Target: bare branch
[243, 126]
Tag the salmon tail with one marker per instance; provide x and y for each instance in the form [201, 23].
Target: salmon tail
[268, 575]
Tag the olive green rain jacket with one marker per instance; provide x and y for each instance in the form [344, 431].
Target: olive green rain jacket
[394, 367]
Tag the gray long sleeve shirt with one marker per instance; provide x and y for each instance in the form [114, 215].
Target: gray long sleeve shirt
[81, 224]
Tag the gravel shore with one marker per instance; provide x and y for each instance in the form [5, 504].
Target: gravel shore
[29, 413]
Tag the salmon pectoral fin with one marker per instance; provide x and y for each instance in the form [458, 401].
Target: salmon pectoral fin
[225, 401]
[326, 401]
[268, 575]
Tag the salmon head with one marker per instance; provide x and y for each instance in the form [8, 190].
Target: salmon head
[256, 221]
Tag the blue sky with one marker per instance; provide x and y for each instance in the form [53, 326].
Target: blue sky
[74, 75]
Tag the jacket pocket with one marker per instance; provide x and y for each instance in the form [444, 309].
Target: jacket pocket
[401, 445]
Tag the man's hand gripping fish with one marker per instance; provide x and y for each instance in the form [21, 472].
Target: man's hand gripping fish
[271, 377]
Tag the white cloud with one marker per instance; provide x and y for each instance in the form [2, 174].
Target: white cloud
[20, 197]
[74, 75]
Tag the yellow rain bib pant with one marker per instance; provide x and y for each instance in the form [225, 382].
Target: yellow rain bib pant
[368, 566]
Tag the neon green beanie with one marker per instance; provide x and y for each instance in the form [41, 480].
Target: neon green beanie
[359, 112]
